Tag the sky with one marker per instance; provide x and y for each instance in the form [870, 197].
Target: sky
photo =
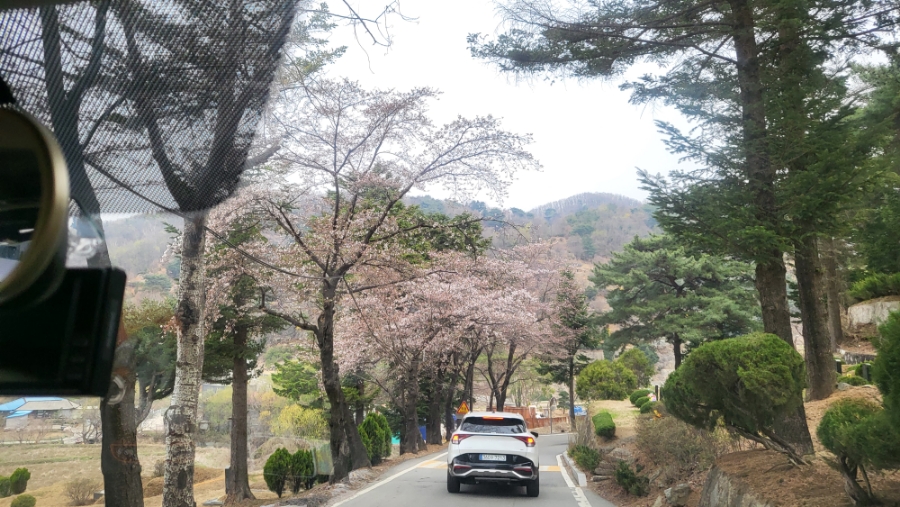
[586, 135]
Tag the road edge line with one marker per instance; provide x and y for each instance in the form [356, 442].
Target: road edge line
[382, 482]
[577, 492]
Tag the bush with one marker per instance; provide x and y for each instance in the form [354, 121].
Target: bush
[637, 361]
[839, 433]
[648, 407]
[277, 470]
[302, 471]
[376, 437]
[604, 426]
[853, 380]
[887, 364]
[4, 487]
[876, 286]
[81, 491]
[159, 468]
[749, 382]
[587, 458]
[673, 443]
[605, 380]
[631, 481]
[640, 402]
[640, 393]
[23, 501]
[18, 481]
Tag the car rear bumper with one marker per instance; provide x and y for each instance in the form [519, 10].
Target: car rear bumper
[493, 472]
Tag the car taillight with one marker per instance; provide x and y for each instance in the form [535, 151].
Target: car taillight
[458, 437]
[523, 470]
[529, 441]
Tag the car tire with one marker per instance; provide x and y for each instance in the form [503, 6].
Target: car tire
[533, 488]
[452, 484]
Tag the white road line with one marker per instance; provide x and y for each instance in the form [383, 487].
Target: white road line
[577, 492]
[385, 481]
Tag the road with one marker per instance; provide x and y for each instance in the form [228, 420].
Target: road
[423, 482]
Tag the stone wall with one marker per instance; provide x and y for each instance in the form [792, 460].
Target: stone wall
[721, 490]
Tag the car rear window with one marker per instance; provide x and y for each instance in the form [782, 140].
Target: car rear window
[502, 425]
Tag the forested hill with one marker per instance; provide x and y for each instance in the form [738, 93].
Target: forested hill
[593, 225]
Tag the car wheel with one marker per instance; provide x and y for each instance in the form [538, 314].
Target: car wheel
[452, 484]
[533, 488]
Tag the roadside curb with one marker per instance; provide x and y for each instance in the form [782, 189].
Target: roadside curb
[577, 474]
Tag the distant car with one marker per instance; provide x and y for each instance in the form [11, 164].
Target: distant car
[493, 447]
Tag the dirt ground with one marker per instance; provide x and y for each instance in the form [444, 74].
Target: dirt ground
[768, 474]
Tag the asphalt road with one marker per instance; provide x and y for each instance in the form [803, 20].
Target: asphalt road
[423, 482]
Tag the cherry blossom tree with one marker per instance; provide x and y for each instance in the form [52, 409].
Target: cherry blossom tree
[348, 157]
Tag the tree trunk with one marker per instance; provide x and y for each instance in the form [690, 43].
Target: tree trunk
[571, 386]
[119, 455]
[771, 283]
[412, 439]
[813, 313]
[240, 481]
[857, 494]
[449, 427]
[469, 389]
[434, 414]
[833, 290]
[181, 416]
[347, 450]
[360, 409]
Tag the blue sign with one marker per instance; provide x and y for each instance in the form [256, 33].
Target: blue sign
[579, 410]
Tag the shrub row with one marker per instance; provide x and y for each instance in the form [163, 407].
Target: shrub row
[648, 407]
[640, 393]
[604, 426]
[293, 471]
[876, 286]
[853, 380]
[585, 457]
[16, 483]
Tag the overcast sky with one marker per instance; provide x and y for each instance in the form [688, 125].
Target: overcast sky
[586, 134]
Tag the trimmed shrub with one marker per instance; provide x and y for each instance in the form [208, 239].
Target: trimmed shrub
[376, 437]
[853, 380]
[641, 401]
[748, 382]
[587, 458]
[876, 286]
[631, 481]
[18, 481]
[81, 491]
[23, 501]
[887, 364]
[605, 380]
[277, 470]
[839, 433]
[604, 426]
[640, 393]
[637, 361]
[648, 407]
[4, 487]
[302, 471]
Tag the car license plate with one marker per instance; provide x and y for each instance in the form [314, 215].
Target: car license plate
[493, 457]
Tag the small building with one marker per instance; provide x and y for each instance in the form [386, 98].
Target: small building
[19, 411]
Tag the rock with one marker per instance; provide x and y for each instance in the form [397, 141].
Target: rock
[720, 490]
[621, 454]
[678, 495]
[843, 386]
[654, 475]
[214, 501]
[600, 478]
[658, 502]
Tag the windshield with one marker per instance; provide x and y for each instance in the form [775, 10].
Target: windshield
[502, 426]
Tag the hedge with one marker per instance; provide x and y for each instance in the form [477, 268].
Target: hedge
[23, 501]
[853, 380]
[4, 486]
[648, 407]
[876, 286]
[640, 393]
[604, 426]
[18, 481]
[640, 402]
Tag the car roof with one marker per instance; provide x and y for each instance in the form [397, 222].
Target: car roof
[506, 415]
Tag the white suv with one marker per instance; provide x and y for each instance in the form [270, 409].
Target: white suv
[493, 447]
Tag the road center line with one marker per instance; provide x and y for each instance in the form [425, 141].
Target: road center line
[385, 481]
[577, 492]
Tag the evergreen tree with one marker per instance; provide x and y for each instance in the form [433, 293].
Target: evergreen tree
[574, 322]
[658, 289]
